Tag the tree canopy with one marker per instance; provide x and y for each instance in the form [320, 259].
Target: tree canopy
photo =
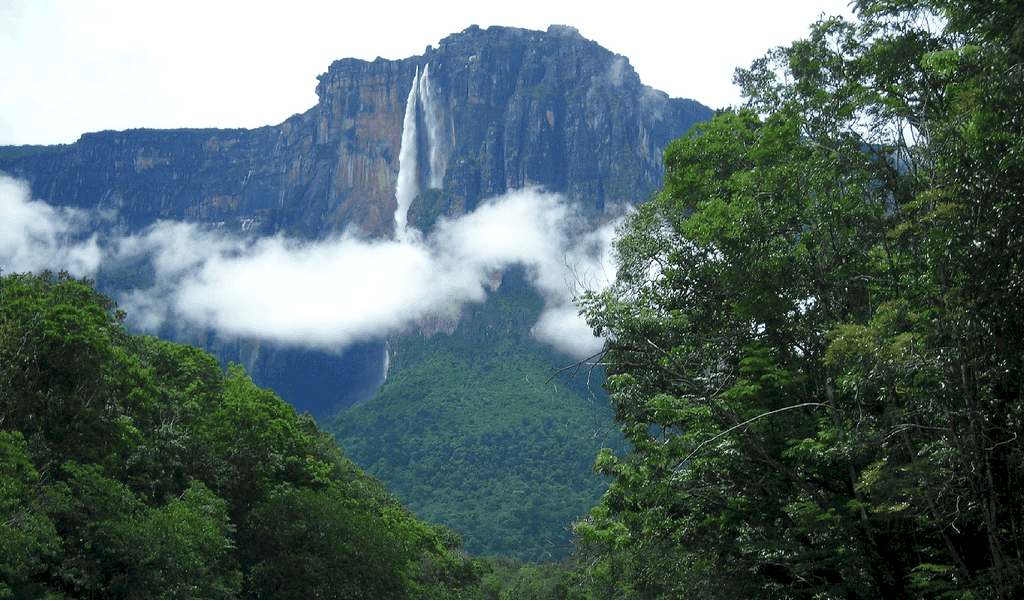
[136, 468]
[815, 336]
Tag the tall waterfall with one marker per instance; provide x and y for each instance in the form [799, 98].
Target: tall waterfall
[420, 104]
[407, 186]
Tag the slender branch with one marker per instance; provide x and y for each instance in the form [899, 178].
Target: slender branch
[747, 422]
[575, 367]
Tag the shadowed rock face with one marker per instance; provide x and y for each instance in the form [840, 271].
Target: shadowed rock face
[516, 108]
[512, 107]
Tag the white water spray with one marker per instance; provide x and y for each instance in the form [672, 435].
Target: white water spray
[437, 166]
[407, 187]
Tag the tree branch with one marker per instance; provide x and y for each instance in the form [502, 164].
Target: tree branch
[747, 422]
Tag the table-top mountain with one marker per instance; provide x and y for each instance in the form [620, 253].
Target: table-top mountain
[499, 108]
[396, 144]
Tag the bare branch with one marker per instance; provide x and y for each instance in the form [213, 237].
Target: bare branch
[747, 422]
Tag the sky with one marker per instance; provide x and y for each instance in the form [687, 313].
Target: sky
[69, 67]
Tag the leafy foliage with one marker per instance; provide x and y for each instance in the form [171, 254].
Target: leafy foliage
[815, 333]
[136, 468]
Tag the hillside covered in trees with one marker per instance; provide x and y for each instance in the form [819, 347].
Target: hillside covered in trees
[475, 430]
[136, 468]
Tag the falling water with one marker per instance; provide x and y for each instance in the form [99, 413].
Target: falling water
[421, 99]
[407, 187]
[437, 166]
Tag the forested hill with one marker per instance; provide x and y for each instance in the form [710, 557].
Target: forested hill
[136, 468]
[475, 430]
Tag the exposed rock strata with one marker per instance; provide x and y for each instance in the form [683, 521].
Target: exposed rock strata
[518, 108]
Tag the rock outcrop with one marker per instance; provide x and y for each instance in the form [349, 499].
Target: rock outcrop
[516, 108]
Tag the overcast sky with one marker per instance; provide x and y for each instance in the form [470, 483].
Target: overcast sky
[73, 66]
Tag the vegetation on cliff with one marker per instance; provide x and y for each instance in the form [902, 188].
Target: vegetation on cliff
[473, 431]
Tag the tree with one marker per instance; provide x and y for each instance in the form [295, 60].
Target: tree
[717, 320]
[28, 537]
[60, 367]
[318, 544]
[814, 338]
[136, 468]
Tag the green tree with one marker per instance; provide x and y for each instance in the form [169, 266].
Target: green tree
[728, 284]
[114, 546]
[815, 333]
[318, 544]
[136, 468]
[59, 368]
[28, 537]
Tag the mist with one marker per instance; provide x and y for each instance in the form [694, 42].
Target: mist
[35, 236]
[328, 294]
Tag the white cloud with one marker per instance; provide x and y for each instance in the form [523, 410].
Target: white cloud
[330, 293]
[36, 236]
[323, 295]
[175, 248]
[588, 265]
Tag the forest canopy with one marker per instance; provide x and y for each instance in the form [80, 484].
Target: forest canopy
[136, 468]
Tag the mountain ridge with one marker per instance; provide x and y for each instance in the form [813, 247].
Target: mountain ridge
[545, 109]
[520, 107]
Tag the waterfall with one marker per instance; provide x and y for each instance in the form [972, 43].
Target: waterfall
[421, 100]
[407, 186]
[437, 166]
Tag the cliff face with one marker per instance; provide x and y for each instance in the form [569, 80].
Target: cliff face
[497, 109]
[511, 108]
[493, 110]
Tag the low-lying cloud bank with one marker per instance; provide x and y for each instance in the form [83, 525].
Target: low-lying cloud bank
[330, 293]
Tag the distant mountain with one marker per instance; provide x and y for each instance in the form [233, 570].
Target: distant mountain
[485, 112]
[511, 108]
[515, 108]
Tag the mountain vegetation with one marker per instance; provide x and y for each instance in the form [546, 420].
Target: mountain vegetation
[474, 430]
[136, 468]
